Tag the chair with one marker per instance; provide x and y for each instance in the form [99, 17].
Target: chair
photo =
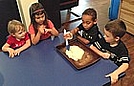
[68, 4]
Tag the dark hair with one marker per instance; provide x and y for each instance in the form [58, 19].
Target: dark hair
[92, 12]
[37, 9]
[116, 27]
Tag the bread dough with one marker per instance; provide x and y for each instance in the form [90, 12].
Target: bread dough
[75, 53]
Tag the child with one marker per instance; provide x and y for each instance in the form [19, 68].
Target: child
[113, 32]
[87, 32]
[88, 29]
[18, 40]
[41, 27]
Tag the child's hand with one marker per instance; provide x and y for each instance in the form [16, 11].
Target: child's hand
[106, 55]
[17, 52]
[47, 30]
[11, 53]
[113, 76]
[41, 29]
[68, 35]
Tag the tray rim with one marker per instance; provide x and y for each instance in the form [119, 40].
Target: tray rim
[71, 61]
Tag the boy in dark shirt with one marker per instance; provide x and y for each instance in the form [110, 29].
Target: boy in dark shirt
[111, 47]
[88, 30]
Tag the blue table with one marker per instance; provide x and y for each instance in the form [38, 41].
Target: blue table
[41, 65]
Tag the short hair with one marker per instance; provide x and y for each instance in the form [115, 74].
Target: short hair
[116, 27]
[14, 26]
[92, 12]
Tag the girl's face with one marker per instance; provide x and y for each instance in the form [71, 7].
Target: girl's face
[109, 37]
[87, 21]
[40, 18]
[20, 34]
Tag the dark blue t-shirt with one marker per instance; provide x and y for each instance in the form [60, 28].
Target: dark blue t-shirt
[91, 34]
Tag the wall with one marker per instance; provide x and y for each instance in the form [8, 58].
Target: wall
[23, 6]
[8, 11]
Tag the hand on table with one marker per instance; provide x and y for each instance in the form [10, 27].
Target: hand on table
[106, 55]
[11, 52]
[17, 52]
[113, 76]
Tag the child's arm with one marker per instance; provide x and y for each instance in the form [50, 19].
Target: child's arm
[74, 31]
[83, 40]
[115, 75]
[53, 31]
[6, 48]
[71, 33]
[102, 54]
[35, 38]
[25, 46]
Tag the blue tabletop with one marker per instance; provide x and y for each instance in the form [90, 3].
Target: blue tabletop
[42, 65]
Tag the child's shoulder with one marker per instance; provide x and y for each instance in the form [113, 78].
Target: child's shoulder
[95, 26]
[31, 25]
[121, 47]
[50, 23]
[121, 44]
[94, 29]
[10, 37]
[48, 20]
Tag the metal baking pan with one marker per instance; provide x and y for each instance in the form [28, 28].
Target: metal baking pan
[89, 57]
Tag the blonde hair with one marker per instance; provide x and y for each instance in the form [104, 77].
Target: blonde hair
[15, 26]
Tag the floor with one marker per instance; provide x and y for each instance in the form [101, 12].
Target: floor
[84, 4]
[102, 7]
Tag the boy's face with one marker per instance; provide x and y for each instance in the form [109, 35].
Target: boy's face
[20, 34]
[40, 18]
[109, 37]
[87, 21]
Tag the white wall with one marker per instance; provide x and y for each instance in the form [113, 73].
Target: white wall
[23, 6]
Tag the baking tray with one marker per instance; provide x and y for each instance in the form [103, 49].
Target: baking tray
[89, 57]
